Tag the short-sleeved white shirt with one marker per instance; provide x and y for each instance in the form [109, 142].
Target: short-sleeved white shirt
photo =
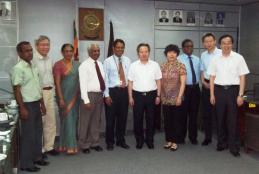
[144, 76]
[228, 69]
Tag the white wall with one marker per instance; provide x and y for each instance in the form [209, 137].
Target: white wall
[133, 21]
[53, 18]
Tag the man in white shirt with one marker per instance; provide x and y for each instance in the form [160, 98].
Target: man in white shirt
[209, 42]
[44, 64]
[144, 93]
[227, 83]
[92, 86]
[116, 95]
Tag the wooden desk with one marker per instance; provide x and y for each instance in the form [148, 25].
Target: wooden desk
[249, 124]
[12, 151]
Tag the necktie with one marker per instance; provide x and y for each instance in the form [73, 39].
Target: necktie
[193, 72]
[121, 73]
[100, 77]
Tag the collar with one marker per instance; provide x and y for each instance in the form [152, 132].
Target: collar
[148, 62]
[213, 52]
[230, 55]
[39, 56]
[172, 63]
[117, 56]
[185, 55]
[24, 63]
[92, 60]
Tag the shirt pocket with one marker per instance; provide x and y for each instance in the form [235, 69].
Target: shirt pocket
[113, 71]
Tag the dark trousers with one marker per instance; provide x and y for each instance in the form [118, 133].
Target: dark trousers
[116, 115]
[172, 114]
[227, 111]
[207, 113]
[144, 103]
[190, 112]
[157, 117]
[31, 136]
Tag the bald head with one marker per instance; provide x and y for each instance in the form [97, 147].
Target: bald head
[94, 51]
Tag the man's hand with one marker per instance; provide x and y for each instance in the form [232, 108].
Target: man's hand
[108, 101]
[131, 101]
[88, 106]
[212, 100]
[240, 101]
[24, 114]
[43, 109]
[157, 100]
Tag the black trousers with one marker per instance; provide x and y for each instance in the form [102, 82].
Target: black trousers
[208, 113]
[144, 104]
[116, 115]
[31, 136]
[158, 117]
[190, 112]
[227, 114]
[172, 115]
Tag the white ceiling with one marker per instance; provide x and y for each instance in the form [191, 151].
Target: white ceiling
[229, 2]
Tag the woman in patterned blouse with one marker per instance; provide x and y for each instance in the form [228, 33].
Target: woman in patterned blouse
[173, 84]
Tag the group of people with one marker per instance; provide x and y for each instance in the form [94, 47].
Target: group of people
[82, 91]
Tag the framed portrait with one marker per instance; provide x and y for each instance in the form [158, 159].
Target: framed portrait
[208, 19]
[190, 18]
[177, 17]
[7, 10]
[163, 16]
[220, 17]
[91, 24]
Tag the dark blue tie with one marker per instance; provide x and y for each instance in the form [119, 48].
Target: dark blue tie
[193, 72]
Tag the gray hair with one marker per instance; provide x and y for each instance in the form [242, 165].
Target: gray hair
[91, 46]
[41, 38]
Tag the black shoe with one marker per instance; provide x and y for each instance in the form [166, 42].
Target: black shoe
[97, 148]
[41, 162]
[139, 145]
[44, 156]
[206, 142]
[235, 153]
[150, 145]
[31, 169]
[194, 142]
[109, 147]
[86, 151]
[123, 145]
[52, 152]
[220, 148]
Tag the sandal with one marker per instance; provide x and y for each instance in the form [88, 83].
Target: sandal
[173, 147]
[167, 145]
[72, 151]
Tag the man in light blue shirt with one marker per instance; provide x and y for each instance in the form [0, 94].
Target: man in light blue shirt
[116, 95]
[192, 93]
[209, 42]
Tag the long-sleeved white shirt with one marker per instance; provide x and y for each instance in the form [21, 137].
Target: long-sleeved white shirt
[88, 78]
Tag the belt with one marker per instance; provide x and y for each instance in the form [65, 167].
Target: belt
[193, 85]
[120, 88]
[32, 102]
[226, 86]
[145, 93]
[47, 88]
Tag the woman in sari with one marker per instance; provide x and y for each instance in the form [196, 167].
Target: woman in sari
[172, 90]
[67, 89]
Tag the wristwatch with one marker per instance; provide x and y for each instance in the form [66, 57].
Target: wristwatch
[241, 95]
